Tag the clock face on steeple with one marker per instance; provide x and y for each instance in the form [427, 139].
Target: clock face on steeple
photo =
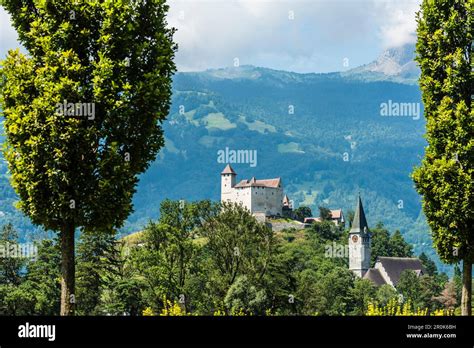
[355, 238]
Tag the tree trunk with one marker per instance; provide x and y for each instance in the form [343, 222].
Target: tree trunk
[68, 270]
[466, 288]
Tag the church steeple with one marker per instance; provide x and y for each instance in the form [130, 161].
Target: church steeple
[359, 223]
[359, 242]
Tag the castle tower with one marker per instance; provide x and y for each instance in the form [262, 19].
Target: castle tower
[286, 202]
[228, 178]
[359, 242]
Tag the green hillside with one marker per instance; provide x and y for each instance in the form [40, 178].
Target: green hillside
[303, 127]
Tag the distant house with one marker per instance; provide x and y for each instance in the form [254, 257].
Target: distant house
[336, 216]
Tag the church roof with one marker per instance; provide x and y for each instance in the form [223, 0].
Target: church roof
[359, 224]
[394, 266]
[273, 183]
[228, 170]
[373, 274]
[286, 200]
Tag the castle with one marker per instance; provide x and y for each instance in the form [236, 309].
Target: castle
[260, 197]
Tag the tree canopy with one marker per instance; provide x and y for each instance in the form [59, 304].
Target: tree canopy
[445, 178]
[83, 111]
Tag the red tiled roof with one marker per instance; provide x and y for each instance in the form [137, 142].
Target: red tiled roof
[273, 183]
[336, 214]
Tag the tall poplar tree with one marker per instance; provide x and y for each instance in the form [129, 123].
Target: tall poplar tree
[445, 178]
[83, 112]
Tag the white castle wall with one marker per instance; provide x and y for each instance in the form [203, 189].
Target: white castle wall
[267, 199]
[243, 196]
[227, 184]
[254, 198]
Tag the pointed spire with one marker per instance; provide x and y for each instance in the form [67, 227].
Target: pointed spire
[359, 224]
[228, 170]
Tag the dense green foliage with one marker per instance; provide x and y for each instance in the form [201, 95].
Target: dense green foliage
[388, 245]
[121, 55]
[445, 178]
[421, 290]
[302, 212]
[429, 265]
[83, 112]
[202, 258]
[29, 286]
[96, 254]
[324, 213]
[10, 267]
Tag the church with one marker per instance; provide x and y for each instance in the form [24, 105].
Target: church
[387, 270]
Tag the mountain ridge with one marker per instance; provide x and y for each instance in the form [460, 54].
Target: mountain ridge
[393, 64]
[303, 127]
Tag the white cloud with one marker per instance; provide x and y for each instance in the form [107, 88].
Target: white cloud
[397, 21]
[211, 33]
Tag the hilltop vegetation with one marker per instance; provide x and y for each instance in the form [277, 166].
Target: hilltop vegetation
[203, 259]
[334, 116]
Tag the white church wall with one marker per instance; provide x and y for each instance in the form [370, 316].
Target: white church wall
[359, 254]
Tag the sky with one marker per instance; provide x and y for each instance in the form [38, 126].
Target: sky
[294, 35]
